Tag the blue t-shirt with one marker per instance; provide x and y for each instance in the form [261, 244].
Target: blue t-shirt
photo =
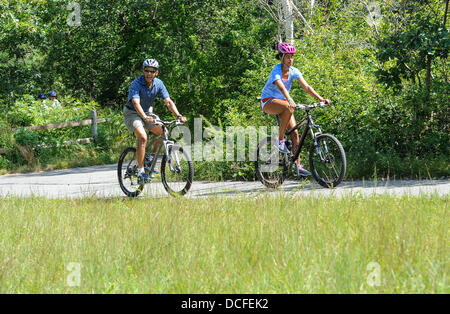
[270, 90]
[139, 89]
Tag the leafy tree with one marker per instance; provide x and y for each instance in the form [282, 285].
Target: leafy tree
[420, 37]
[21, 35]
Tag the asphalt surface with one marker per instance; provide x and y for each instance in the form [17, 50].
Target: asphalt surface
[101, 181]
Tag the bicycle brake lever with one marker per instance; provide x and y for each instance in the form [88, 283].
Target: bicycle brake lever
[300, 107]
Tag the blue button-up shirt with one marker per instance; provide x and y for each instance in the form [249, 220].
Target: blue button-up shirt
[139, 90]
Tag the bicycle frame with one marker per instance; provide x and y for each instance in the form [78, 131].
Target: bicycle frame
[326, 154]
[309, 127]
[166, 143]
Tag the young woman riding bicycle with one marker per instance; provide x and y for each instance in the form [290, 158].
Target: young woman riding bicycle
[275, 98]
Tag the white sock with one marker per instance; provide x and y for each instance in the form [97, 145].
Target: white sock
[141, 170]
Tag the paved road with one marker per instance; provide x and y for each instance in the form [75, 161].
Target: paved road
[101, 181]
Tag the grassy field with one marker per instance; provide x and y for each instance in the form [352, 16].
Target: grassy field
[356, 244]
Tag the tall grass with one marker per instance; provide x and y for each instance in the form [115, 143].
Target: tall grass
[218, 245]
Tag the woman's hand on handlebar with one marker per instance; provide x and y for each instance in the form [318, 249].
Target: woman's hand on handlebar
[327, 101]
[182, 119]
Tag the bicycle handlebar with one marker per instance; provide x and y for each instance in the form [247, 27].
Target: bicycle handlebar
[157, 120]
[309, 107]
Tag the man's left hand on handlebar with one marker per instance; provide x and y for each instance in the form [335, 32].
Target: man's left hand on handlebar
[148, 119]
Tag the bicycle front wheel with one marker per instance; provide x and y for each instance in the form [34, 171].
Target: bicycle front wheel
[270, 165]
[177, 170]
[127, 172]
[327, 161]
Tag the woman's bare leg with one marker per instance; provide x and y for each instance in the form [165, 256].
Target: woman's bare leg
[294, 137]
[283, 110]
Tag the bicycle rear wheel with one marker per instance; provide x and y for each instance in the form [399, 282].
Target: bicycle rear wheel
[327, 161]
[177, 171]
[270, 165]
[127, 172]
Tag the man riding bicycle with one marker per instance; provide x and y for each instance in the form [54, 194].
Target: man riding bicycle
[137, 113]
[275, 98]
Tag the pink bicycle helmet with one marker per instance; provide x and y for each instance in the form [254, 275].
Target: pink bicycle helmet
[286, 48]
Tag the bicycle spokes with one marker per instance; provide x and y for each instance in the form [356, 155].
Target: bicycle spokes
[271, 166]
[127, 171]
[177, 170]
[131, 169]
[327, 161]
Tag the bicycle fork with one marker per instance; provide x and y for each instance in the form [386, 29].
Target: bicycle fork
[316, 143]
[168, 146]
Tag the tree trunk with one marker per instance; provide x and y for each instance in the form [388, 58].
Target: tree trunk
[188, 76]
[428, 78]
[311, 7]
[445, 14]
[419, 80]
[288, 20]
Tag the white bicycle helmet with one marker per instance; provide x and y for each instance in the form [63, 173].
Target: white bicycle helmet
[150, 63]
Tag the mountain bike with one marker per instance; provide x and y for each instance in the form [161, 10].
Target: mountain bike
[327, 159]
[177, 170]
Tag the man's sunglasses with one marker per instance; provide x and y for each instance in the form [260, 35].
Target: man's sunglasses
[150, 71]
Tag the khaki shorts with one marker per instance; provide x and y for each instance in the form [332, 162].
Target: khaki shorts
[133, 120]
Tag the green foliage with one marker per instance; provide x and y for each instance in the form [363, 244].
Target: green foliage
[43, 147]
[408, 51]
[26, 137]
[27, 111]
[201, 48]
[4, 162]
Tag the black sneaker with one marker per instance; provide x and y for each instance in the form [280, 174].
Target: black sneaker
[143, 178]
